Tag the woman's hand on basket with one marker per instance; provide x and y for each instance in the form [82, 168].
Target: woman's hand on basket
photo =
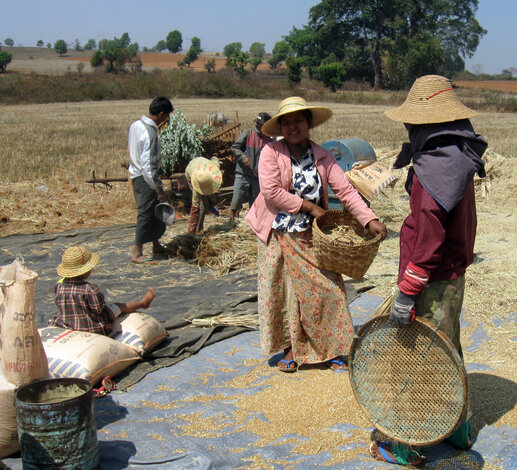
[313, 209]
[375, 227]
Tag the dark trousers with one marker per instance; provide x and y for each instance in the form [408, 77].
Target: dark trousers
[148, 227]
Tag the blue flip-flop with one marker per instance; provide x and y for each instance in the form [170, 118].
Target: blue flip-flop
[340, 362]
[383, 452]
[288, 369]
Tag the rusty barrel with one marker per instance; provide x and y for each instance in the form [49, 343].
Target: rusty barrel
[56, 425]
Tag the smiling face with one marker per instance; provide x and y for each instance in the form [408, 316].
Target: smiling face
[295, 128]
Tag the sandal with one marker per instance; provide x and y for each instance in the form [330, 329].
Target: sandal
[288, 367]
[340, 361]
[387, 455]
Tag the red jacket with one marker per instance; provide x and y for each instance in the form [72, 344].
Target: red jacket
[435, 244]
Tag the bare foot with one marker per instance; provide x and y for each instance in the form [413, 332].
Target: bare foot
[143, 260]
[148, 298]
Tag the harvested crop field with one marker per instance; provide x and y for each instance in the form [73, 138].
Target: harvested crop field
[506, 86]
[43, 190]
[43, 60]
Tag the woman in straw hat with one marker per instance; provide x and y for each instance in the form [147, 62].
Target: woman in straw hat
[294, 174]
[204, 178]
[437, 238]
[81, 305]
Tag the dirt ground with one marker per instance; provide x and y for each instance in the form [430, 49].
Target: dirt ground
[506, 86]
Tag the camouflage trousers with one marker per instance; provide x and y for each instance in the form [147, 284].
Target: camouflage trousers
[440, 302]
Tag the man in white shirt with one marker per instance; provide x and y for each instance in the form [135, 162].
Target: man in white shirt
[144, 165]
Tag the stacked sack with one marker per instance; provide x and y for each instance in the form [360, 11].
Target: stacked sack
[91, 356]
[22, 356]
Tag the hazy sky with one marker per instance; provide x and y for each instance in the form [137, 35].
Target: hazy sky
[215, 22]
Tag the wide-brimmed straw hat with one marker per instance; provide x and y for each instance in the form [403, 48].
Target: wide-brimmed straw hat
[291, 105]
[431, 100]
[77, 261]
[165, 212]
[206, 178]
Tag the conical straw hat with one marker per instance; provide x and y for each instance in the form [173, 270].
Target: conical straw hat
[291, 105]
[77, 261]
[206, 178]
[431, 100]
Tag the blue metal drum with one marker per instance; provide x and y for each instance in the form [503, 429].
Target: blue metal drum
[56, 425]
[347, 152]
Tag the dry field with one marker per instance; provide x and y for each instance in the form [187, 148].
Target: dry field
[46, 61]
[506, 86]
[48, 151]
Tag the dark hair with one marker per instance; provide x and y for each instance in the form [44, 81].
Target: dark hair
[262, 118]
[160, 104]
[306, 112]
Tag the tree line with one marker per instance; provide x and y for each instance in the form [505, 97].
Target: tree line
[386, 43]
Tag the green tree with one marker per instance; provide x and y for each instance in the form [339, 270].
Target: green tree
[124, 40]
[367, 30]
[280, 52]
[117, 52]
[210, 65]
[40, 43]
[254, 63]
[294, 71]
[258, 49]
[231, 48]
[60, 47]
[194, 51]
[96, 60]
[132, 51]
[160, 46]
[174, 41]
[238, 61]
[77, 45]
[332, 75]
[301, 43]
[90, 44]
[49, 45]
[9, 42]
[5, 58]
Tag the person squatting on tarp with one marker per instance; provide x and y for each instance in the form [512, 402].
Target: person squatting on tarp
[437, 238]
[144, 167]
[81, 304]
[204, 178]
[247, 150]
[294, 174]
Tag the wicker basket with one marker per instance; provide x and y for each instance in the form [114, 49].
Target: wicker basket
[338, 255]
[410, 381]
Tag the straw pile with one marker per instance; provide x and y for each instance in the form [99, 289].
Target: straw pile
[227, 247]
[248, 320]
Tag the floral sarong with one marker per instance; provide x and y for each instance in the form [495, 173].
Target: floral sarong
[299, 304]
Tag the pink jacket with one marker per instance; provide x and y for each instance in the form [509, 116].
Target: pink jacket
[275, 176]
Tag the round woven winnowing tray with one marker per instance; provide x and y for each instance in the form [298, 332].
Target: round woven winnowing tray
[409, 380]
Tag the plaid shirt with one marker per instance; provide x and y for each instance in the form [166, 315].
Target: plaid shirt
[82, 307]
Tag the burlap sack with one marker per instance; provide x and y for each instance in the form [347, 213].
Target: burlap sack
[8, 431]
[84, 355]
[138, 331]
[22, 354]
[370, 178]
